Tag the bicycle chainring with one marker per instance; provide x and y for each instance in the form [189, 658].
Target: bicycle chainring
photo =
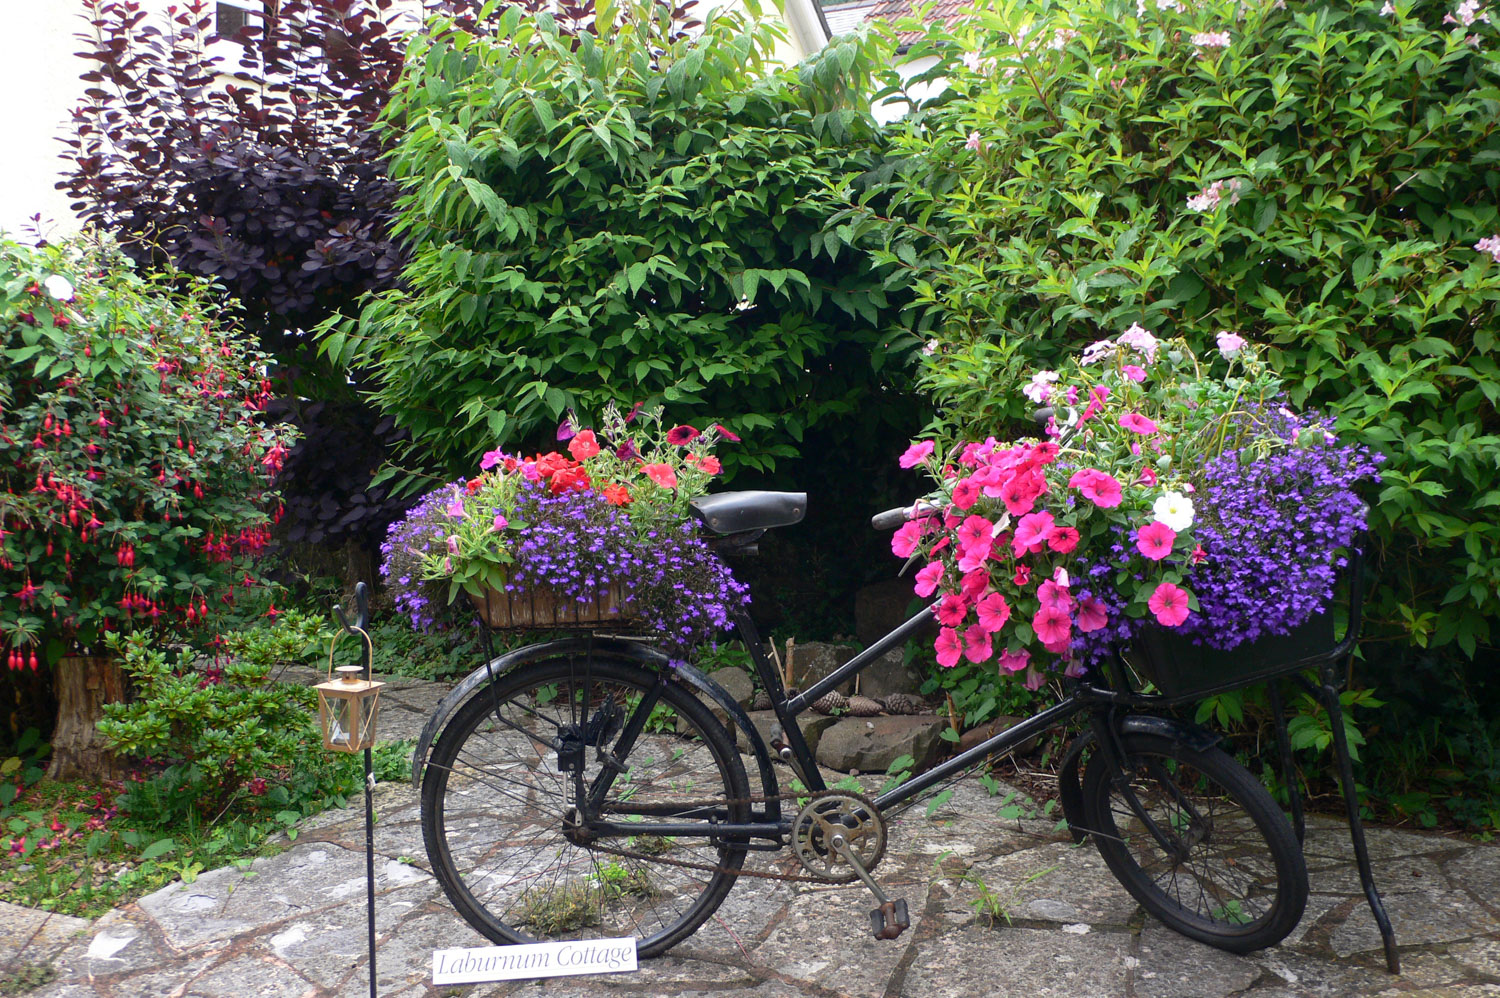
[838, 810]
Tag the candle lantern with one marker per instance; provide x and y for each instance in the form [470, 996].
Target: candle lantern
[347, 708]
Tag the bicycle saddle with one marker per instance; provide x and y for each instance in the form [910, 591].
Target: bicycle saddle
[737, 512]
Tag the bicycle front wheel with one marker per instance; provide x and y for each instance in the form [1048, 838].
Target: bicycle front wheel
[501, 820]
[1208, 852]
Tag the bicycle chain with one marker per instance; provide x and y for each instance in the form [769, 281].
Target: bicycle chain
[795, 878]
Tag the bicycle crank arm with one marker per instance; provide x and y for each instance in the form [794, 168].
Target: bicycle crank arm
[890, 919]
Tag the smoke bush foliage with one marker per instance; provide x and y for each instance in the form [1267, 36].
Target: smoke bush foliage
[1319, 177]
[641, 216]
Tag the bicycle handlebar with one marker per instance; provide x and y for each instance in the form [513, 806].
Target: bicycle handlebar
[893, 518]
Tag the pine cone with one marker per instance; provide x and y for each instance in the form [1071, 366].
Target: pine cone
[863, 707]
[830, 703]
[903, 703]
[762, 701]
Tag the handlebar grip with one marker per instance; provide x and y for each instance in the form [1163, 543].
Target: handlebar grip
[891, 518]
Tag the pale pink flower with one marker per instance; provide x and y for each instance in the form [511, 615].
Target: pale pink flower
[974, 143]
[1140, 339]
[1039, 388]
[1230, 344]
[1490, 245]
[1211, 196]
[1170, 604]
[1061, 37]
[1211, 40]
[1387, 10]
[1466, 13]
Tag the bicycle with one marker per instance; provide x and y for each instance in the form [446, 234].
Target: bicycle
[584, 787]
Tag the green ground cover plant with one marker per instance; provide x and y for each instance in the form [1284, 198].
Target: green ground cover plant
[1321, 178]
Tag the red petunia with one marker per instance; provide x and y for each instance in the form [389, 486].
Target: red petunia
[726, 433]
[1063, 540]
[617, 494]
[584, 445]
[661, 474]
[681, 436]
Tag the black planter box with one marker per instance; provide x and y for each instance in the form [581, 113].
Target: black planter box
[1180, 668]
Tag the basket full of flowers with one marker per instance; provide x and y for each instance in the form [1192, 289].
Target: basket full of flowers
[1175, 509]
[598, 537]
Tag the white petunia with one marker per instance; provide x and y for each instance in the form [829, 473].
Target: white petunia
[1175, 510]
[59, 287]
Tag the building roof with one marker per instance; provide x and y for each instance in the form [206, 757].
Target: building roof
[946, 12]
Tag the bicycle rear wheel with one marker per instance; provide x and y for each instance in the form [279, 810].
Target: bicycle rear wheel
[1213, 858]
[500, 820]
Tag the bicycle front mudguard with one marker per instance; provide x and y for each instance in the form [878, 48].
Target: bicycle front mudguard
[633, 652]
[1070, 783]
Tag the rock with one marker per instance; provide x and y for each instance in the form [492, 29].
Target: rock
[879, 608]
[989, 729]
[813, 726]
[871, 744]
[737, 683]
[816, 659]
[889, 674]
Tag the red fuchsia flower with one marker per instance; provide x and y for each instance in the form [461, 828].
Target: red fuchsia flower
[977, 645]
[1022, 575]
[1170, 604]
[1098, 487]
[1199, 556]
[904, 541]
[1155, 539]
[18, 846]
[1052, 626]
[617, 494]
[965, 493]
[992, 612]
[490, 459]
[1014, 661]
[273, 612]
[1063, 540]
[583, 446]
[258, 786]
[661, 474]
[1092, 615]
[928, 579]
[681, 436]
[1055, 596]
[1136, 423]
[1032, 533]
[952, 610]
[916, 454]
[949, 647]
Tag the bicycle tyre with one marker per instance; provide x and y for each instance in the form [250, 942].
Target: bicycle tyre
[1235, 878]
[494, 803]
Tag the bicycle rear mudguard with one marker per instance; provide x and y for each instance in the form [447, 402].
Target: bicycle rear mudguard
[1070, 786]
[633, 652]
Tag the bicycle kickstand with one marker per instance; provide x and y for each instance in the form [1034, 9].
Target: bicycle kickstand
[891, 918]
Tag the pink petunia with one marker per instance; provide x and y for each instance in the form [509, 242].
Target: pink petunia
[949, 647]
[993, 612]
[1054, 596]
[928, 579]
[1021, 492]
[1170, 604]
[1154, 540]
[975, 530]
[1092, 615]
[1136, 423]
[724, 432]
[1034, 680]
[1063, 540]
[500, 523]
[1032, 533]
[681, 436]
[952, 610]
[977, 646]
[1134, 373]
[455, 508]
[490, 459]
[1148, 477]
[661, 474]
[916, 454]
[973, 556]
[904, 542]
[1052, 625]
[973, 584]
[1014, 661]
[965, 493]
[1098, 487]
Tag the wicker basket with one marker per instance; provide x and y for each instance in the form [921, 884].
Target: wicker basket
[543, 607]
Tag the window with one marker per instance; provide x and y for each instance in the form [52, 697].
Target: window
[232, 16]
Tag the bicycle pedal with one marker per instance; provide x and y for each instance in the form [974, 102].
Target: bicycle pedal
[890, 919]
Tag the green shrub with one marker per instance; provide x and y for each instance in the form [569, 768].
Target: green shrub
[638, 217]
[1354, 158]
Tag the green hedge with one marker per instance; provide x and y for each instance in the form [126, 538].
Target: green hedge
[634, 217]
[1357, 158]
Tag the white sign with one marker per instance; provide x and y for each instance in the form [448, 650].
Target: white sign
[509, 963]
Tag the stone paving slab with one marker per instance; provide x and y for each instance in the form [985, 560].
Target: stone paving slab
[296, 925]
